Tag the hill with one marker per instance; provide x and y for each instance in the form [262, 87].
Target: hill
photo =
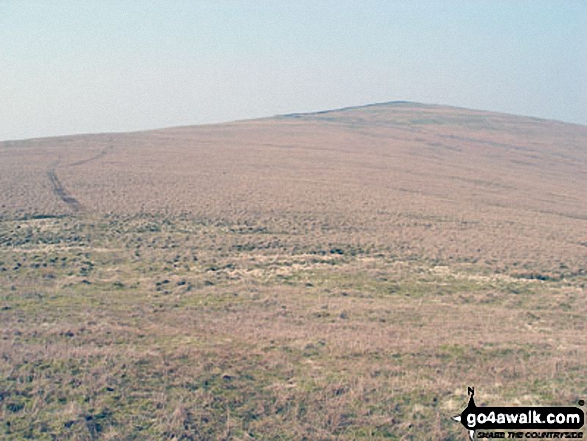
[332, 275]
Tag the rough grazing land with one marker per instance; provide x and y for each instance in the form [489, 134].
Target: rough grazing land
[338, 275]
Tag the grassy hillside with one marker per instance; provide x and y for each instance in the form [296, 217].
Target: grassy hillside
[336, 275]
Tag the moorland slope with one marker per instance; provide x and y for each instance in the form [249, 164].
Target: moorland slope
[333, 275]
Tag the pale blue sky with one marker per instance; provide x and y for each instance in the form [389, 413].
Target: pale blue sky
[97, 66]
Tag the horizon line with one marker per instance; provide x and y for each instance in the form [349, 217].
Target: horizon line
[293, 115]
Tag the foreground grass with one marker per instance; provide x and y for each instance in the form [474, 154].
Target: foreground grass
[151, 327]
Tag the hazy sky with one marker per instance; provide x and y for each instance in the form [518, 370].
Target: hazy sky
[95, 66]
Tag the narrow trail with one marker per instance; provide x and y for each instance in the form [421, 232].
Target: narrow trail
[93, 158]
[61, 192]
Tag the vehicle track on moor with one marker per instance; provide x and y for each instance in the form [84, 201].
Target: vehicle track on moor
[102, 153]
[61, 191]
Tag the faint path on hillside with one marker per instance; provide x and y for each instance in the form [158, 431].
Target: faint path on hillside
[60, 191]
[93, 158]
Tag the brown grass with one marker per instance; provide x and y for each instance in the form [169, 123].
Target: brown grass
[341, 275]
